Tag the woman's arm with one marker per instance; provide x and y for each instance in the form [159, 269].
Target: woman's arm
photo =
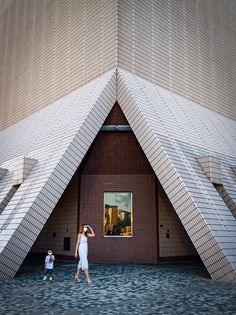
[92, 234]
[77, 246]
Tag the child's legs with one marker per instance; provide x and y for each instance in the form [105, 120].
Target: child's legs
[48, 272]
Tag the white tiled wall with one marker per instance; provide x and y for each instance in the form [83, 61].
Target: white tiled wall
[71, 123]
[186, 46]
[49, 48]
[166, 127]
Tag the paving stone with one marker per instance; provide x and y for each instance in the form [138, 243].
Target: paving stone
[164, 289]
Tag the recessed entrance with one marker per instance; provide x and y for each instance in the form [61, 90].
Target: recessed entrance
[144, 230]
[116, 163]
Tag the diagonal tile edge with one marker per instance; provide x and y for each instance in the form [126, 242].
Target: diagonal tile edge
[137, 102]
[100, 97]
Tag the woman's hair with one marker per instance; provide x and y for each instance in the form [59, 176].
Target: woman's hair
[81, 229]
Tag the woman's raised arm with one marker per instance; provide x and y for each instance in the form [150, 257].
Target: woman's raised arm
[92, 234]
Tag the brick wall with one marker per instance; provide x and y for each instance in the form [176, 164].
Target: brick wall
[116, 116]
[116, 152]
[142, 247]
[117, 163]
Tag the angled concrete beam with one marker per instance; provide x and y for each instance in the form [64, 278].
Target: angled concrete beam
[23, 166]
[2, 172]
[212, 168]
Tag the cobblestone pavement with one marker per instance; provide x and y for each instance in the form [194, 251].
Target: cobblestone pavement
[165, 289]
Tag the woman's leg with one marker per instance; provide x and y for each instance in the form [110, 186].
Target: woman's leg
[87, 276]
[77, 274]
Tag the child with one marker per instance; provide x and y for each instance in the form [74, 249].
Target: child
[49, 260]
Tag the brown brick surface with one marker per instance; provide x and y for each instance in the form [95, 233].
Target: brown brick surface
[116, 116]
[117, 163]
[142, 246]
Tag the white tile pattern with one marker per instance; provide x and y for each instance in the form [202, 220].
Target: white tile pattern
[166, 127]
[58, 137]
[49, 48]
[173, 133]
[186, 46]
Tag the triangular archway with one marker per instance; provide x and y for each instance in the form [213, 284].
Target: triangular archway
[115, 165]
[154, 115]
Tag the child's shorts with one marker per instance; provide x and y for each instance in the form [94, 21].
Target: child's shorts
[48, 272]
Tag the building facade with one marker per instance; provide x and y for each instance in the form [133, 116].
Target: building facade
[120, 114]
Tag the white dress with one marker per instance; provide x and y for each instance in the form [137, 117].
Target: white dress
[83, 253]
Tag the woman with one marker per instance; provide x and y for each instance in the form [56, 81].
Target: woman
[82, 248]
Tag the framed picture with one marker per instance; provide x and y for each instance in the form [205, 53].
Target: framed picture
[118, 214]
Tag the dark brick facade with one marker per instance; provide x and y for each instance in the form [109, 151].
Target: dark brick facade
[116, 162]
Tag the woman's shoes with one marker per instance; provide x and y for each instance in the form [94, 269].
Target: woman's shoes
[89, 281]
[77, 278]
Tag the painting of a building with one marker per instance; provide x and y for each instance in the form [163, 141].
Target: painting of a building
[119, 96]
[118, 216]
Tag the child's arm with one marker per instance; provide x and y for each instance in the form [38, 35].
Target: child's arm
[46, 260]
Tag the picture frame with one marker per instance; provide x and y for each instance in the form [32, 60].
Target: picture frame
[118, 214]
